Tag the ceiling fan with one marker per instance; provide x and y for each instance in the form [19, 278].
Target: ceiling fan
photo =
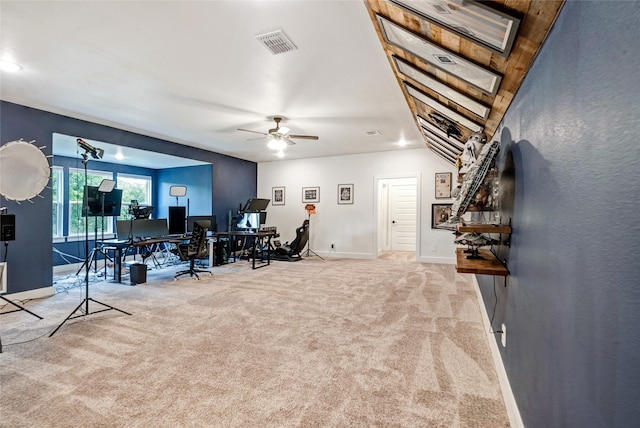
[279, 136]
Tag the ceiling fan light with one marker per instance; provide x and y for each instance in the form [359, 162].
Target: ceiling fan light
[284, 130]
[277, 144]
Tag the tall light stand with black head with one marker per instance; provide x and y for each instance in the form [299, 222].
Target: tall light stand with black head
[311, 209]
[106, 186]
[96, 154]
[7, 233]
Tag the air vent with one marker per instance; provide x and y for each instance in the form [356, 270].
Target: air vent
[277, 42]
[372, 133]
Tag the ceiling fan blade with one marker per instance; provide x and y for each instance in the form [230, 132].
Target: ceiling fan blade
[287, 140]
[255, 132]
[304, 137]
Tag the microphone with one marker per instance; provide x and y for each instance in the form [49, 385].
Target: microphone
[95, 152]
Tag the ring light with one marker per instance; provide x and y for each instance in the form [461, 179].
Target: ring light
[24, 170]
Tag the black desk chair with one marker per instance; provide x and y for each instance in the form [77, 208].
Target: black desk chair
[291, 252]
[196, 248]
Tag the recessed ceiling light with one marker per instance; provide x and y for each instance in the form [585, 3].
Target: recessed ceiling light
[9, 66]
[402, 142]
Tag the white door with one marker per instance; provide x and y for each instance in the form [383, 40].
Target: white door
[402, 200]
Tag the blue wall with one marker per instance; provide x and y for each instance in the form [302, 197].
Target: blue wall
[30, 259]
[572, 303]
[197, 179]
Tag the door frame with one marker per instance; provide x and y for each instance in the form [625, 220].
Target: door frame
[380, 203]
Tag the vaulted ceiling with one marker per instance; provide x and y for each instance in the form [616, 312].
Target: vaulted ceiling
[460, 63]
[194, 72]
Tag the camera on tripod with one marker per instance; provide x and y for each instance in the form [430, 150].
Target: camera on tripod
[139, 212]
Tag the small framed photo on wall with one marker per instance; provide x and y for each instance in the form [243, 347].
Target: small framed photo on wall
[345, 194]
[439, 214]
[310, 194]
[443, 185]
[277, 195]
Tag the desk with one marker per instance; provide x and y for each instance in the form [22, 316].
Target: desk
[258, 237]
[116, 245]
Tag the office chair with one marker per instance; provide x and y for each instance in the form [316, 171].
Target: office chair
[291, 252]
[196, 248]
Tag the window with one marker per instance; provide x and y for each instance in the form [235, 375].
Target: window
[57, 190]
[76, 192]
[134, 187]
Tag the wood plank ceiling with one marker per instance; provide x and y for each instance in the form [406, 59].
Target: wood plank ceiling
[456, 53]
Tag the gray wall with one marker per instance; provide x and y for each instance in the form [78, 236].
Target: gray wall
[572, 303]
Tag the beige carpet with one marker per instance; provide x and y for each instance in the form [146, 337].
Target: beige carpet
[334, 343]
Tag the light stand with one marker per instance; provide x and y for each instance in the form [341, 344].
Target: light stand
[311, 209]
[106, 186]
[97, 154]
[3, 271]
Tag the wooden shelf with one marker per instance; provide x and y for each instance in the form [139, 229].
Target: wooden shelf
[488, 265]
[484, 228]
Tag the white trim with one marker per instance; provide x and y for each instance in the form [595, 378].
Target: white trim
[507, 394]
[37, 293]
[437, 260]
[417, 176]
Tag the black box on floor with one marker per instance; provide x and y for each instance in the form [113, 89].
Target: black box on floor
[138, 273]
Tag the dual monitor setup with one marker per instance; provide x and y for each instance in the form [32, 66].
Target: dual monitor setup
[253, 214]
[180, 223]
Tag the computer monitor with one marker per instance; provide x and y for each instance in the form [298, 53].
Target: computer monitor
[252, 220]
[177, 220]
[256, 204]
[92, 202]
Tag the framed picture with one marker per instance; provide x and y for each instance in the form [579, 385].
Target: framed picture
[454, 142]
[441, 108]
[447, 61]
[439, 214]
[277, 195]
[469, 19]
[310, 194]
[443, 185]
[414, 73]
[443, 144]
[345, 194]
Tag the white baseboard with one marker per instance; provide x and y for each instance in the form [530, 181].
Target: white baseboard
[37, 293]
[336, 255]
[437, 260]
[507, 394]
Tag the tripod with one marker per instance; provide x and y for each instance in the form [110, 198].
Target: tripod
[93, 258]
[20, 308]
[309, 251]
[85, 301]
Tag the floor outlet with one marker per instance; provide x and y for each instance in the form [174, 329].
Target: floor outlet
[504, 336]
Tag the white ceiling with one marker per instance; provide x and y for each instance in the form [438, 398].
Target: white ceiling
[193, 72]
